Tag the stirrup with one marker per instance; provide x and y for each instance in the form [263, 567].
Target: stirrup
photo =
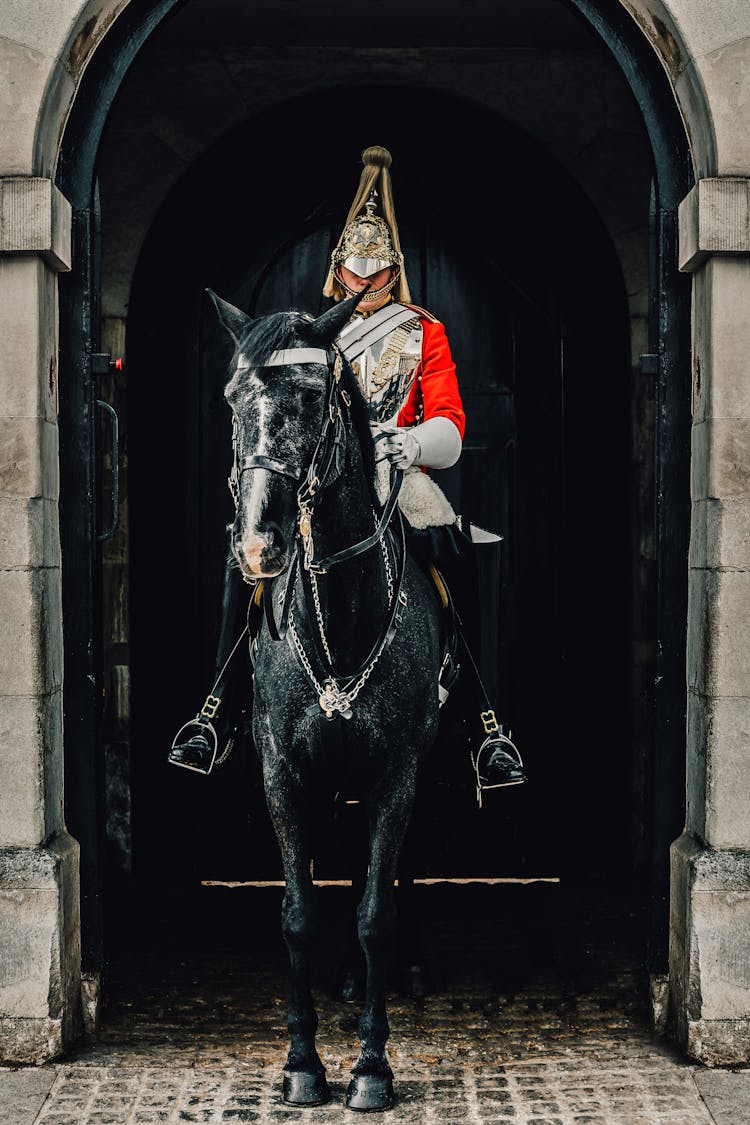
[494, 738]
[193, 729]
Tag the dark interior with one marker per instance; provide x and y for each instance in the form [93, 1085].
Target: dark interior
[527, 282]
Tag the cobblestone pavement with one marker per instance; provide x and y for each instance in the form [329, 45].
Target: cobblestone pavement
[644, 1091]
[537, 1017]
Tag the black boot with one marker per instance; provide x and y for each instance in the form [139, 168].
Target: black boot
[472, 571]
[196, 744]
[499, 767]
[497, 762]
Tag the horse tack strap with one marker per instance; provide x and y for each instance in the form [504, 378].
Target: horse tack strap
[278, 632]
[288, 356]
[260, 461]
[322, 566]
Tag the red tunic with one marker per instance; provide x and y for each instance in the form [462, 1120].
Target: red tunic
[435, 384]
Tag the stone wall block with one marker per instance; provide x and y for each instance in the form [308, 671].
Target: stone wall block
[29, 458]
[727, 824]
[720, 534]
[721, 920]
[683, 978]
[718, 652]
[40, 953]
[720, 461]
[709, 957]
[698, 727]
[728, 534]
[714, 218]
[28, 358]
[698, 551]
[22, 732]
[699, 460]
[54, 790]
[35, 218]
[729, 460]
[723, 72]
[29, 533]
[30, 632]
[718, 768]
[23, 77]
[702, 349]
[43, 27]
[728, 386]
[699, 647]
[31, 796]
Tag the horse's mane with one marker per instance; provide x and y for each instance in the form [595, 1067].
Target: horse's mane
[272, 333]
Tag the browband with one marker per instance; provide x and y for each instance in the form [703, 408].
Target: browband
[288, 356]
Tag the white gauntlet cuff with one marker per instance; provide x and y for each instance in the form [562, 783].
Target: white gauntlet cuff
[439, 443]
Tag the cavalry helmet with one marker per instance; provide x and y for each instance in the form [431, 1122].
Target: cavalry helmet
[369, 242]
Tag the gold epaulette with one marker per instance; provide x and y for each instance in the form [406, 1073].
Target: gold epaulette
[425, 313]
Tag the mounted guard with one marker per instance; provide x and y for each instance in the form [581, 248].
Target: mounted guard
[400, 356]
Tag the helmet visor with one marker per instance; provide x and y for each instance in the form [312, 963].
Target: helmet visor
[366, 267]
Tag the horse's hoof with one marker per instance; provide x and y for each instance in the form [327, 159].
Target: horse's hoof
[351, 986]
[415, 981]
[370, 1092]
[302, 1088]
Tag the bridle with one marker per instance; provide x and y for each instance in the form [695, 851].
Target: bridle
[326, 464]
[336, 693]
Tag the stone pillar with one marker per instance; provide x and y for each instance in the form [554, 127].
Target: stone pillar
[39, 897]
[710, 909]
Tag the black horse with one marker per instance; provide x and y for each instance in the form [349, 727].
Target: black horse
[348, 657]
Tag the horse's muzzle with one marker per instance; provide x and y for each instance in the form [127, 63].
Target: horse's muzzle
[259, 558]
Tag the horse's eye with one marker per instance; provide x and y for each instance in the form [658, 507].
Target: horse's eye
[308, 397]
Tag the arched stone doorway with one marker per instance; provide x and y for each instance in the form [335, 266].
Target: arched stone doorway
[77, 179]
[568, 251]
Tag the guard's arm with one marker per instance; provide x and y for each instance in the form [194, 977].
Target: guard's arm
[435, 393]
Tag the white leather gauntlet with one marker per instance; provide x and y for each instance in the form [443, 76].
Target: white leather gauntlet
[397, 445]
[435, 443]
[439, 443]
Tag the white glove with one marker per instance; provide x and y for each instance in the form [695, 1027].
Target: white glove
[397, 445]
[435, 443]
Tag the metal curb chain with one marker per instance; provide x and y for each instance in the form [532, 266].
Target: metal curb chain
[331, 696]
[316, 594]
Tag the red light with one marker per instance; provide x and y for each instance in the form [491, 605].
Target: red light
[119, 365]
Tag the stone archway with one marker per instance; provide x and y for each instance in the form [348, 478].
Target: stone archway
[79, 62]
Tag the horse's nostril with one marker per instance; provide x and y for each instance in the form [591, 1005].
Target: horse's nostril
[272, 554]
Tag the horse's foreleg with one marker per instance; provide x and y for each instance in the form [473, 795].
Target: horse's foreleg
[371, 1086]
[304, 1073]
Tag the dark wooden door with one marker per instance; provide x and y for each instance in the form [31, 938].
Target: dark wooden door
[528, 331]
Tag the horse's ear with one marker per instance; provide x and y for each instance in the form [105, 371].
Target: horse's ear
[231, 319]
[326, 328]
